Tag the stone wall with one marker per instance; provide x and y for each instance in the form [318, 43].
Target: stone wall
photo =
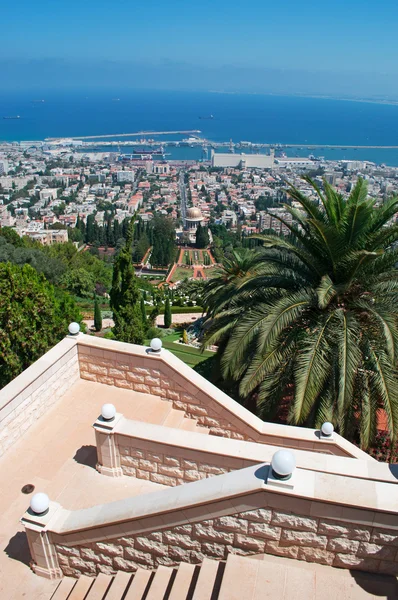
[169, 468]
[48, 383]
[152, 376]
[258, 531]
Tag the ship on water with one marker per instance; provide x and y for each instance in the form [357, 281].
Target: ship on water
[207, 117]
[16, 117]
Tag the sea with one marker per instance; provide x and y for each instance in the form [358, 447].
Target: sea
[237, 117]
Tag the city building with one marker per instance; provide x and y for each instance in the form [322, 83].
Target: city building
[47, 237]
[243, 161]
[3, 167]
[125, 176]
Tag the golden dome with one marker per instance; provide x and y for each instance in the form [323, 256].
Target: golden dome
[194, 213]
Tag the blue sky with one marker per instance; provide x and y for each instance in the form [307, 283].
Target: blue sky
[308, 34]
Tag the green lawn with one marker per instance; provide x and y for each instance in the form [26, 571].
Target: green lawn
[191, 356]
[180, 274]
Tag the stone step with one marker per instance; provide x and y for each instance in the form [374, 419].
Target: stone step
[153, 410]
[139, 584]
[206, 580]
[174, 418]
[240, 578]
[119, 586]
[81, 588]
[185, 579]
[160, 583]
[64, 589]
[191, 425]
[100, 585]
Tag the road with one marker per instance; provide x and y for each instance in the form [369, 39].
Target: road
[183, 195]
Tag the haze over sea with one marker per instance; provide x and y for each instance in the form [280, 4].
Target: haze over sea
[240, 117]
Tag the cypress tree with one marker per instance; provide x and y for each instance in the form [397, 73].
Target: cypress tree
[143, 309]
[124, 296]
[167, 314]
[97, 315]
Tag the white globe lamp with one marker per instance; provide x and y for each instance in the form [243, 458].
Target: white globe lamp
[39, 503]
[156, 345]
[108, 412]
[327, 429]
[283, 464]
[74, 328]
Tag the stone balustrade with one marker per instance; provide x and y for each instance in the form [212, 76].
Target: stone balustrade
[162, 374]
[328, 519]
[173, 456]
[29, 395]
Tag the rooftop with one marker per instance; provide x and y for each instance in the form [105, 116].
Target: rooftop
[182, 478]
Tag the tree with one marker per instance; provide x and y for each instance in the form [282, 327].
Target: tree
[167, 314]
[79, 282]
[143, 309]
[129, 326]
[97, 315]
[202, 237]
[308, 323]
[33, 317]
[163, 250]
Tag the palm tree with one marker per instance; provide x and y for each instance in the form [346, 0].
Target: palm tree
[312, 316]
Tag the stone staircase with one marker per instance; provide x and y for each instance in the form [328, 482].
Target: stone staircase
[261, 577]
[146, 407]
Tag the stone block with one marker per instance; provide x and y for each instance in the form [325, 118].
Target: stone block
[388, 567]
[249, 543]
[112, 372]
[188, 464]
[342, 545]
[106, 560]
[367, 550]
[88, 376]
[212, 469]
[137, 453]
[231, 524]
[142, 558]
[180, 539]
[109, 549]
[84, 566]
[264, 530]
[154, 548]
[182, 529]
[261, 515]
[156, 390]
[170, 471]
[152, 381]
[130, 461]
[173, 395]
[194, 475]
[105, 380]
[380, 536]
[67, 551]
[89, 554]
[135, 378]
[179, 554]
[144, 389]
[171, 461]
[272, 547]
[339, 529]
[122, 383]
[140, 474]
[214, 550]
[316, 555]
[303, 538]
[147, 465]
[202, 532]
[163, 479]
[349, 561]
[63, 560]
[105, 569]
[157, 458]
[141, 371]
[129, 471]
[95, 368]
[289, 521]
[121, 564]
